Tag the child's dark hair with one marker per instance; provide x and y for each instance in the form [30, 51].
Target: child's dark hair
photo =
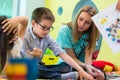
[4, 43]
[42, 13]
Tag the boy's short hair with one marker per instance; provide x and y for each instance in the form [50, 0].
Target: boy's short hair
[41, 13]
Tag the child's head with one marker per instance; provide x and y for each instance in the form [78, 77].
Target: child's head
[42, 20]
[4, 43]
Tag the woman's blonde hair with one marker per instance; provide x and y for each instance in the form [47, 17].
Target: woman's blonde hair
[93, 33]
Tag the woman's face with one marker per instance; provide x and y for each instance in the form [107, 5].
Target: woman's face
[84, 21]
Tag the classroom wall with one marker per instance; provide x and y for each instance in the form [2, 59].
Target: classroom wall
[26, 7]
[12, 8]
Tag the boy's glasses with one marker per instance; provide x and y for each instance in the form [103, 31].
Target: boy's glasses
[45, 28]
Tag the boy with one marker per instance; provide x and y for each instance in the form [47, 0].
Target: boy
[38, 37]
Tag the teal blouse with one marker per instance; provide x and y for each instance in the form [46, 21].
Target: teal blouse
[65, 40]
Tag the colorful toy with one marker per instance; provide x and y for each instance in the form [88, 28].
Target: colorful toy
[95, 54]
[104, 65]
[21, 69]
[49, 58]
[16, 71]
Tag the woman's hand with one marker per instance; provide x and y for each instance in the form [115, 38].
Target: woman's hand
[90, 69]
[97, 74]
[36, 52]
[10, 25]
[118, 5]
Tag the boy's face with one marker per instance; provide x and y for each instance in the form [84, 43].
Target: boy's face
[42, 28]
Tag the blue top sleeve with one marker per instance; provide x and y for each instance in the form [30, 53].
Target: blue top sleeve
[64, 38]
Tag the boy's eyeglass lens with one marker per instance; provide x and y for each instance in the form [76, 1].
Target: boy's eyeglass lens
[45, 27]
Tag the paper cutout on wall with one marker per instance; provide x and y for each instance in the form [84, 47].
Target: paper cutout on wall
[60, 10]
[108, 23]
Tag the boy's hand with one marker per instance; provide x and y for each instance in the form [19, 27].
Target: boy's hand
[10, 25]
[36, 52]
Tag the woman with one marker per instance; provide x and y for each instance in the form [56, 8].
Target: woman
[78, 38]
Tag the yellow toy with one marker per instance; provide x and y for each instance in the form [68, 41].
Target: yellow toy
[17, 71]
[118, 71]
[108, 68]
[21, 69]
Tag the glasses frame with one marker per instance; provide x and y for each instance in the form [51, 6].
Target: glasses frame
[44, 28]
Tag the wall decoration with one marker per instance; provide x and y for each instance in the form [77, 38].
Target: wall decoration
[108, 23]
[60, 10]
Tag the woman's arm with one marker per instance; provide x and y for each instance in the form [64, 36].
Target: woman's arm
[88, 57]
[72, 63]
[71, 53]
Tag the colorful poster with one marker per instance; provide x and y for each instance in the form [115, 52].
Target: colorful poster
[108, 23]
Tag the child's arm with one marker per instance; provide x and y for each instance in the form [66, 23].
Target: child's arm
[72, 63]
[17, 25]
